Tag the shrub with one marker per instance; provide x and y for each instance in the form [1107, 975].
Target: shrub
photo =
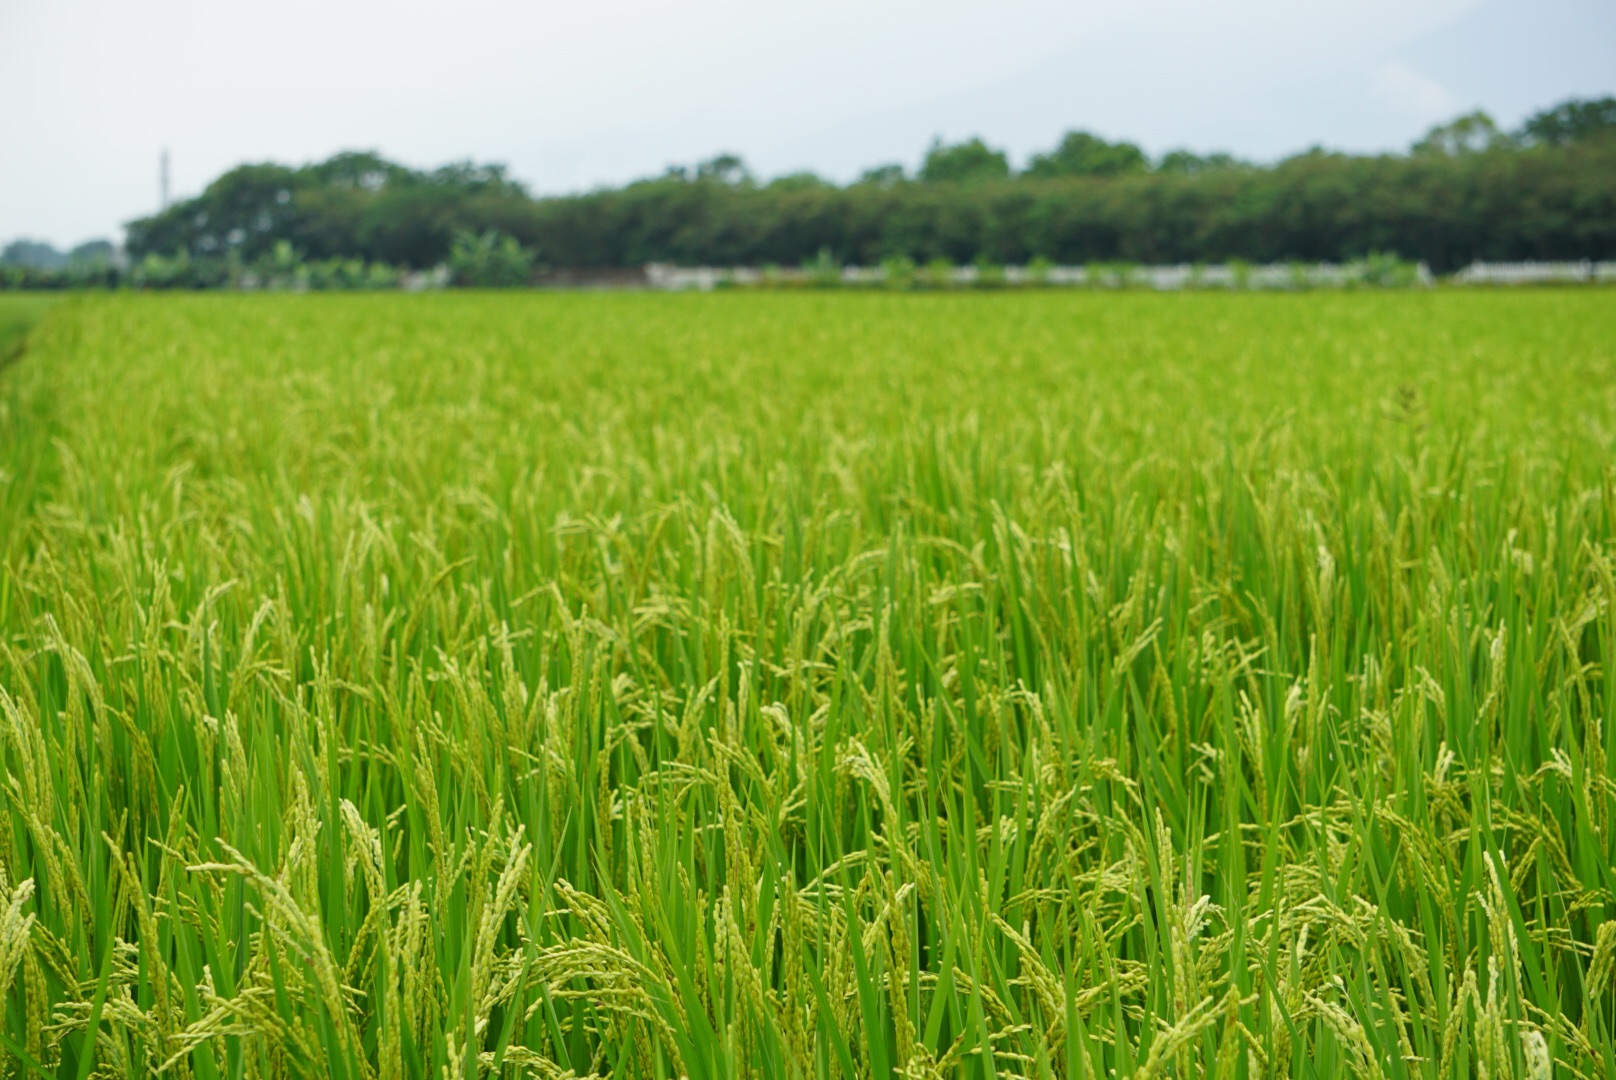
[824, 270]
[489, 260]
[939, 274]
[898, 272]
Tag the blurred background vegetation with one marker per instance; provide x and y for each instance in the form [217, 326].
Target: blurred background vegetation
[1466, 191]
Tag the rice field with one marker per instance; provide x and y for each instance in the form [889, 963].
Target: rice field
[810, 685]
[18, 314]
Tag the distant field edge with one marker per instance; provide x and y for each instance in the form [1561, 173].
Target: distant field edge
[18, 317]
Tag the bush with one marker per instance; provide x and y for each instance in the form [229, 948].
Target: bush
[989, 274]
[1385, 269]
[824, 270]
[898, 272]
[489, 260]
[939, 274]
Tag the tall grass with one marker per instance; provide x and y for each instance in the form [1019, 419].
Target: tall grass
[810, 685]
[18, 314]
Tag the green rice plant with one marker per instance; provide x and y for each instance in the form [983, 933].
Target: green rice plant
[18, 315]
[800, 684]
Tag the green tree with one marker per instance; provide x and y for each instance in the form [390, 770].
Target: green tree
[1571, 121]
[365, 170]
[799, 181]
[1083, 154]
[724, 169]
[883, 175]
[92, 251]
[1446, 205]
[469, 176]
[1189, 163]
[965, 162]
[1468, 134]
[247, 209]
[35, 254]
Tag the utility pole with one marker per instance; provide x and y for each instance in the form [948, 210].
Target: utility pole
[162, 181]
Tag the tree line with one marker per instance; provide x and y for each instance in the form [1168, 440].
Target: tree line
[1466, 191]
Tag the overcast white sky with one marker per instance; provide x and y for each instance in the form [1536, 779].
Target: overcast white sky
[573, 95]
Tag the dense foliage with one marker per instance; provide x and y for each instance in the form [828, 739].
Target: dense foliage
[17, 318]
[810, 685]
[490, 261]
[1468, 191]
[31, 264]
[37, 255]
[356, 205]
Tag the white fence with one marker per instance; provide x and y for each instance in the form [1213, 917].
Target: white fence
[1163, 278]
[1535, 273]
[1271, 276]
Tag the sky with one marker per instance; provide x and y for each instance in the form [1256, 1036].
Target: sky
[574, 96]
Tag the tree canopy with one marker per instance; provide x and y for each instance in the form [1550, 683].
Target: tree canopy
[1466, 190]
[38, 255]
[1468, 134]
[1083, 154]
[1573, 121]
[972, 160]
